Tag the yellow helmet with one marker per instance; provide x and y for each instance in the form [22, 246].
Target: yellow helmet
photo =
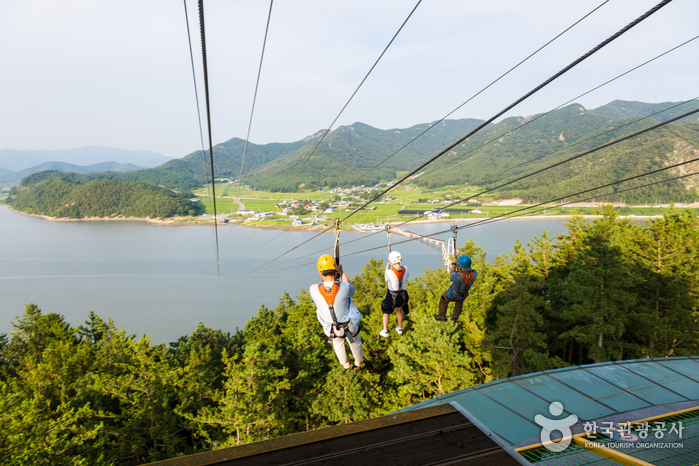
[326, 262]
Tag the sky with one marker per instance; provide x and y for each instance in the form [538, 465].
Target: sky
[117, 73]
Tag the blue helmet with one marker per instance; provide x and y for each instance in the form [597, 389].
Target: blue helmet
[464, 261]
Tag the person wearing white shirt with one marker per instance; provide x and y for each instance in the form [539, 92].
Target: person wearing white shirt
[336, 311]
[396, 276]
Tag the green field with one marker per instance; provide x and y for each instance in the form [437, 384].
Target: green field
[387, 210]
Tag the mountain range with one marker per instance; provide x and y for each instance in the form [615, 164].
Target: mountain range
[13, 178]
[349, 155]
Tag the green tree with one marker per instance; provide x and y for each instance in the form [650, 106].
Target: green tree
[347, 396]
[518, 333]
[596, 295]
[664, 253]
[430, 360]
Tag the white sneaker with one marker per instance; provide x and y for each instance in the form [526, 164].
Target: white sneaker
[399, 330]
[384, 333]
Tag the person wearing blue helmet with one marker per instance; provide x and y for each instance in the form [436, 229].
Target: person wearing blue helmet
[462, 281]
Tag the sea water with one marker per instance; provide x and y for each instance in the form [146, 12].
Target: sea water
[160, 280]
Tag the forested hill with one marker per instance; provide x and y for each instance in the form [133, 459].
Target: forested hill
[350, 151]
[624, 109]
[344, 154]
[188, 172]
[503, 151]
[61, 198]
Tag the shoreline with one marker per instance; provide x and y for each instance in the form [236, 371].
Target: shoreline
[92, 219]
[182, 221]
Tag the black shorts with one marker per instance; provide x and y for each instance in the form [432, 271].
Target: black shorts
[387, 304]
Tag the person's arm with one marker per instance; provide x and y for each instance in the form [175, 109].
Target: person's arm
[342, 274]
[354, 315]
[453, 268]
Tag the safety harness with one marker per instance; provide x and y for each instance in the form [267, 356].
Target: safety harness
[468, 278]
[329, 295]
[399, 273]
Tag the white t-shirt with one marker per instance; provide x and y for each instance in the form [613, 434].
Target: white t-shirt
[345, 310]
[392, 280]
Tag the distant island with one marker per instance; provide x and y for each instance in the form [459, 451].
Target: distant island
[60, 198]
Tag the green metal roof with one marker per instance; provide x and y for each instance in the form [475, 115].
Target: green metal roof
[591, 392]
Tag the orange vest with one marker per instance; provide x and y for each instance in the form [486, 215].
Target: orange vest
[329, 295]
[467, 276]
[400, 273]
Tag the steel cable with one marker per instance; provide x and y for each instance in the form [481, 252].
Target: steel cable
[604, 146]
[522, 99]
[560, 106]
[196, 97]
[350, 99]
[518, 101]
[247, 137]
[429, 127]
[208, 118]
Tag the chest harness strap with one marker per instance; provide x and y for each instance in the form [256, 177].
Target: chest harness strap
[400, 273]
[468, 278]
[329, 295]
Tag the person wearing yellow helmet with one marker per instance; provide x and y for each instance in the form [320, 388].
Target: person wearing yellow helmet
[396, 276]
[462, 281]
[336, 311]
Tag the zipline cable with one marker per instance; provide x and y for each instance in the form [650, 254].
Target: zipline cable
[521, 99]
[537, 117]
[429, 127]
[196, 97]
[551, 153]
[247, 137]
[208, 118]
[560, 106]
[669, 167]
[350, 99]
[604, 146]
[509, 216]
[580, 141]
[571, 145]
[569, 159]
[254, 98]
[334, 121]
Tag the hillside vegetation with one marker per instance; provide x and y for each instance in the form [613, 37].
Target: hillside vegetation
[62, 198]
[551, 139]
[609, 290]
[498, 153]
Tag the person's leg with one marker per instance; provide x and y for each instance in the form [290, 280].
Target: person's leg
[406, 307]
[399, 317]
[458, 305]
[356, 346]
[341, 352]
[386, 309]
[443, 303]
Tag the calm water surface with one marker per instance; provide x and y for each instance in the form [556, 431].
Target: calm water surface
[162, 280]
